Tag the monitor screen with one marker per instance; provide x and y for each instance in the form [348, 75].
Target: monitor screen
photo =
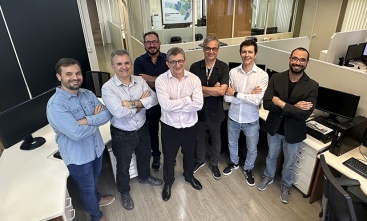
[355, 51]
[21, 121]
[337, 103]
[365, 50]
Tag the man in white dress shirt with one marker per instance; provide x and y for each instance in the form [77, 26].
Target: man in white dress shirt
[127, 97]
[180, 97]
[247, 85]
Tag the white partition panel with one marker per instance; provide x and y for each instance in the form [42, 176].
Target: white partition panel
[340, 41]
[288, 44]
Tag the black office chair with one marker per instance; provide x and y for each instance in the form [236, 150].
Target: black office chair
[175, 39]
[337, 204]
[94, 81]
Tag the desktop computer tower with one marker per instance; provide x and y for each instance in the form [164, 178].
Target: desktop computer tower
[348, 135]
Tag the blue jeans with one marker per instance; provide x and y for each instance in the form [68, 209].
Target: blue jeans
[290, 152]
[86, 176]
[251, 131]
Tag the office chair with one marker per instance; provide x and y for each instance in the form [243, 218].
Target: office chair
[336, 202]
[175, 39]
[198, 37]
[94, 81]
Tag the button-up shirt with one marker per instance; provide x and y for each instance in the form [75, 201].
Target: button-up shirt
[245, 107]
[213, 105]
[78, 144]
[179, 99]
[114, 92]
[143, 64]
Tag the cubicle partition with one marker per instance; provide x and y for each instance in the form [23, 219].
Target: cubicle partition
[340, 41]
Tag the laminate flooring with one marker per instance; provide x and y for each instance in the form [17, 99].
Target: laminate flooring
[229, 198]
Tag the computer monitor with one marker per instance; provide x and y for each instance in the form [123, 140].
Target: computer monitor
[354, 52]
[337, 103]
[19, 122]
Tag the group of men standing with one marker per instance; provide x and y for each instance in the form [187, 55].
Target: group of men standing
[188, 105]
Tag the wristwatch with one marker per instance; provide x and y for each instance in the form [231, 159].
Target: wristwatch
[235, 94]
[133, 104]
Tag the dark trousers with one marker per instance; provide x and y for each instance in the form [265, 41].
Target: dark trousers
[172, 140]
[124, 143]
[153, 124]
[85, 177]
[201, 141]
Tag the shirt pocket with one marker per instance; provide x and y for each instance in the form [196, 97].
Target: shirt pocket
[88, 107]
[78, 113]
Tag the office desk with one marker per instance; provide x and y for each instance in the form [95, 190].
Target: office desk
[33, 183]
[337, 164]
[307, 161]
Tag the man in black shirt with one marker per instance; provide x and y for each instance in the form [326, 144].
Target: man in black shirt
[214, 76]
[290, 98]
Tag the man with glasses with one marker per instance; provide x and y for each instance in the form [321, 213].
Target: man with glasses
[214, 77]
[247, 87]
[180, 96]
[149, 66]
[290, 99]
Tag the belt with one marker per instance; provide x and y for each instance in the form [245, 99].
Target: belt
[129, 131]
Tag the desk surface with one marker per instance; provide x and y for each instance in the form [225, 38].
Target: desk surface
[337, 163]
[33, 183]
[312, 142]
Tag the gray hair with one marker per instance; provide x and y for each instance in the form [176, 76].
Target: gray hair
[210, 38]
[118, 52]
[175, 51]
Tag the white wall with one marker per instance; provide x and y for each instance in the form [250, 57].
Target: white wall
[116, 35]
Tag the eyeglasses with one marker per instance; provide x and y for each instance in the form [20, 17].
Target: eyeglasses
[173, 62]
[151, 42]
[210, 49]
[301, 60]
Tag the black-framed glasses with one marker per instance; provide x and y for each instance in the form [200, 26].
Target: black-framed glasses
[301, 60]
[173, 62]
[210, 49]
[151, 42]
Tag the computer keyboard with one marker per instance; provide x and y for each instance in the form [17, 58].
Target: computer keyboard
[357, 166]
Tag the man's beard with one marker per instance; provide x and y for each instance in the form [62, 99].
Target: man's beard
[300, 71]
[157, 51]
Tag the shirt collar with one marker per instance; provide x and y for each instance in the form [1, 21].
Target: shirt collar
[202, 64]
[119, 83]
[171, 76]
[253, 70]
[146, 55]
[67, 94]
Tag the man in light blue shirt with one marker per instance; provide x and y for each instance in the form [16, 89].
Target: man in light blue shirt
[75, 115]
[127, 97]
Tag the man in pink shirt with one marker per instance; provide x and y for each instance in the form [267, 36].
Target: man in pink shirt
[180, 96]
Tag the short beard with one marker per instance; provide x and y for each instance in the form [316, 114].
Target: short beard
[296, 72]
[152, 53]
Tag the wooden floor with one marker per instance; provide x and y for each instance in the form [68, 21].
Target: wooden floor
[229, 198]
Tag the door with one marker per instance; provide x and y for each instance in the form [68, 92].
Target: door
[324, 26]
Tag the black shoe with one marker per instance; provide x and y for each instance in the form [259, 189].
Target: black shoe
[229, 169]
[195, 183]
[156, 164]
[151, 180]
[249, 177]
[166, 193]
[126, 201]
[216, 172]
[197, 166]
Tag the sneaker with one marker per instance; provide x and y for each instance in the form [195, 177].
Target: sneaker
[264, 183]
[126, 201]
[228, 170]
[156, 164]
[197, 166]
[216, 172]
[249, 177]
[107, 200]
[285, 195]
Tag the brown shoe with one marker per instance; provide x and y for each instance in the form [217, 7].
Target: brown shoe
[105, 201]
